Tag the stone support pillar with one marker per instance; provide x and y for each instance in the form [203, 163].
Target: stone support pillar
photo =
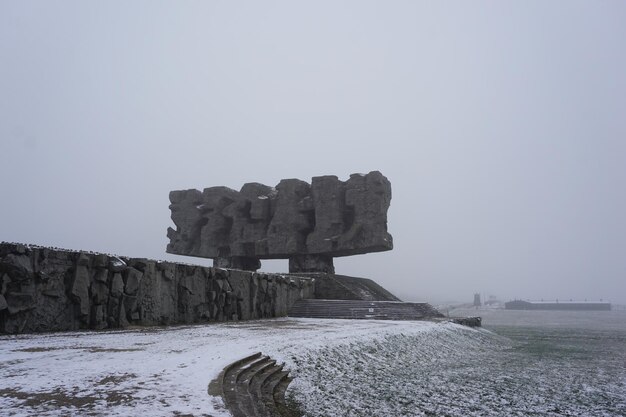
[311, 263]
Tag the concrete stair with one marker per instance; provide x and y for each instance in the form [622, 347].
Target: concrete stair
[254, 387]
[361, 309]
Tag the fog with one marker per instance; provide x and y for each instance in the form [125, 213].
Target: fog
[501, 126]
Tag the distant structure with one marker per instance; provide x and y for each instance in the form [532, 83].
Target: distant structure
[557, 305]
[309, 224]
[492, 301]
[477, 302]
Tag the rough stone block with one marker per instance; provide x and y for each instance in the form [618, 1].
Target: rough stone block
[101, 275]
[99, 292]
[116, 264]
[117, 285]
[131, 282]
[19, 267]
[100, 260]
[18, 302]
[80, 286]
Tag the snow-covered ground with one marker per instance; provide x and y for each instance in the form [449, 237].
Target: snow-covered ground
[365, 368]
[159, 371]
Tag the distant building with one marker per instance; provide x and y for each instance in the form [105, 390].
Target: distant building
[477, 302]
[492, 301]
[557, 305]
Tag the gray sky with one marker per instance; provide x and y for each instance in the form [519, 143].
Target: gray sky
[501, 126]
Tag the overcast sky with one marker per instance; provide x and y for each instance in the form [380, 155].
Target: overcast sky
[501, 126]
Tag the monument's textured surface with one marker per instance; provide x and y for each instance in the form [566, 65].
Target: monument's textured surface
[308, 224]
[43, 289]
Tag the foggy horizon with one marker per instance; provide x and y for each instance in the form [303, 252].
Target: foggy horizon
[501, 128]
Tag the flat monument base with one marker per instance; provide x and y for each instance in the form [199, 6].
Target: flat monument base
[344, 287]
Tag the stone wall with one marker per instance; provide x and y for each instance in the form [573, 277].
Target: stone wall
[45, 289]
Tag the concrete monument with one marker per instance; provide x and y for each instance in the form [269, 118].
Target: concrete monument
[309, 224]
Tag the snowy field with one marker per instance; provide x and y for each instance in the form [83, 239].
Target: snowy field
[556, 366]
[341, 368]
[159, 371]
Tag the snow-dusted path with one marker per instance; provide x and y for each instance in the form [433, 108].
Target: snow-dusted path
[160, 371]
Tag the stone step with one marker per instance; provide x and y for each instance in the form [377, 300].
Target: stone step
[253, 387]
[260, 380]
[243, 389]
[280, 387]
[229, 377]
[360, 309]
[247, 372]
[269, 391]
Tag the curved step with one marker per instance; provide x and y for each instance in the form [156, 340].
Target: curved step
[242, 388]
[225, 384]
[269, 391]
[279, 397]
[254, 371]
[253, 387]
[256, 391]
